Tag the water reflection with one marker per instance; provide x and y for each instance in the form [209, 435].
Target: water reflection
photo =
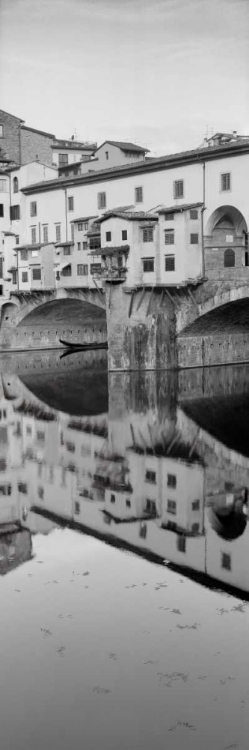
[162, 467]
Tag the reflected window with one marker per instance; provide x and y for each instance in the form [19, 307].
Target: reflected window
[171, 481]
[77, 508]
[226, 561]
[151, 507]
[181, 543]
[229, 258]
[22, 487]
[40, 493]
[40, 436]
[128, 503]
[195, 528]
[171, 506]
[196, 505]
[143, 530]
[112, 498]
[2, 464]
[70, 447]
[150, 476]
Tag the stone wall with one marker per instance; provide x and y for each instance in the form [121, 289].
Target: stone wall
[202, 351]
[141, 330]
[28, 337]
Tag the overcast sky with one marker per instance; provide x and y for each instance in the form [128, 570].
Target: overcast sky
[157, 72]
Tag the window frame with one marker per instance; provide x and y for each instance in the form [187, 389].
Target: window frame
[124, 231]
[148, 261]
[229, 252]
[148, 234]
[83, 266]
[33, 208]
[108, 236]
[139, 194]
[58, 232]
[101, 200]
[170, 235]
[167, 258]
[223, 176]
[177, 193]
[70, 203]
[194, 238]
[45, 232]
[36, 277]
[33, 235]
[25, 273]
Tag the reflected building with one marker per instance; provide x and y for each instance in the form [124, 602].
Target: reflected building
[149, 475]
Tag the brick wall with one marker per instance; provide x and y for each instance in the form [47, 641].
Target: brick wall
[35, 145]
[215, 246]
[10, 143]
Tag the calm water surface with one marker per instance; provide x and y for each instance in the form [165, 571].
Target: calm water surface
[124, 556]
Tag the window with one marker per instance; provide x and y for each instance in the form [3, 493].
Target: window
[70, 203]
[143, 530]
[33, 235]
[40, 493]
[195, 528]
[40, 436]
[85, 225]
[25, 276]
[169, 217]
[1, 131]
[33, 208]
[84, 245]
[67, 250]
[150, 476]
[194, 239]
[229, 258]
[70, 447]
[94, 242]
[78, 245]
[138, 195]
[148, 265]
[34, 253]
[193, 213]
[148, 234]
[80, 227]
[171, 507]
[124, 234]
[77, 508]
[101, 200]
[3, 186]
[178, 191]
[67, 271]
[171, 481]
[1, 268]
[226, 561]
[112, 498]
[36, 273]
[169, 238]
[196, 505]
[24, 254]
[22, 487]
[181, 543]
[14, 277]
[45, 232]
[63, 159]
[14, 213]
[151, 507]
[108, 236]
[2, 210]
[107, 155]
[82, 269]
[225, 181]
[95, 268]
[29, 430]
[58, 232]
[72, 232]
[17, 239]
[169, 263]
[128, 503]
[15, 185]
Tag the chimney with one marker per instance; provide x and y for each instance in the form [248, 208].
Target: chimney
[235, 133]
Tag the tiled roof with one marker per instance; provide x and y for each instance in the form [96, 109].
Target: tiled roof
[177, 208]
[83, 218]
[128, 215]
[126, 146]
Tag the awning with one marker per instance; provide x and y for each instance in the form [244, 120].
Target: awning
[67, 243]
[12, 269]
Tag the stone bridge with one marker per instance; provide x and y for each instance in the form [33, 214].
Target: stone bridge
[148, 327]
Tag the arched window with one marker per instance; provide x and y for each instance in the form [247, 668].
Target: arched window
[229, 258]
[15, 185]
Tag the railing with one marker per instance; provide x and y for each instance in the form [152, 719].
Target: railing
[114, 273]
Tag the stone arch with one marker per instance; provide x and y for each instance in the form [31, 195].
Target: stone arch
[210, 304]
[226, 243]
[27, 302]
[228, 215]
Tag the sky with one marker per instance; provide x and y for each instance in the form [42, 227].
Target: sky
[162, 73]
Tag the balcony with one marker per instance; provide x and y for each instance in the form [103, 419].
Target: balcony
[114, 273]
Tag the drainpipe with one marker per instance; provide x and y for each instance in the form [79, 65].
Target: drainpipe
[202, 216]
[66, 210]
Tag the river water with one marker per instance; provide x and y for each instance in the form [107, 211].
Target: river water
[124, 556]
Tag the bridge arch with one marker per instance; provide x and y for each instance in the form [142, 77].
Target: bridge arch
[21, 304]
[220, 301]
[226, 243]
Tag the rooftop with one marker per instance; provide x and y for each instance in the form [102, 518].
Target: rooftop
[126, 146]
[128, 216]
[198, 155]
[177, 209]
[71, 143]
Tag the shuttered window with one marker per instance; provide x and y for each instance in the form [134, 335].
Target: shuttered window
[178, 189]
[148, 265]
[138, 195]
[169, 263]
[169, 238]
[226, 181]
[148, 234]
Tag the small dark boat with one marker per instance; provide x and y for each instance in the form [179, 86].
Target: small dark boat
[84, 347]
